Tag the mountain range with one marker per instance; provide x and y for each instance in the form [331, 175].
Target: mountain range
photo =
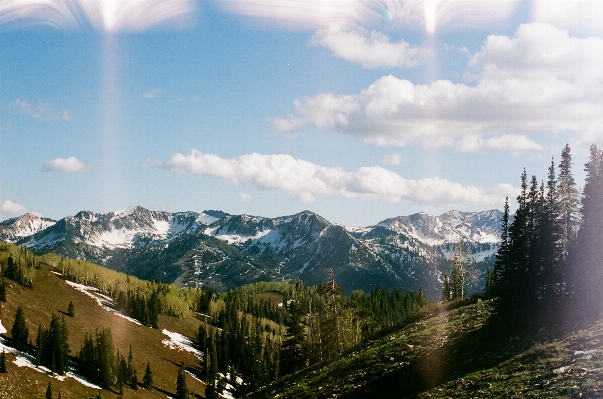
[213, 248]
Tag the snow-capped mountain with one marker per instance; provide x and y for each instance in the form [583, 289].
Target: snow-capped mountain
[14, 229]
[225, 250]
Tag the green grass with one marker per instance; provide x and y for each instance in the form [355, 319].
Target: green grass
[52, 294]
[459, 353]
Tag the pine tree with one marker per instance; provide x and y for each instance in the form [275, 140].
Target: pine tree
[104, 358]
[2, 291]
[181, 387]
[502, 264]
[48, 391]
[568, 202]
[147, 379]
[71, 309]
[446, 294]
[3, 362]
[19, 332]
[587, 254]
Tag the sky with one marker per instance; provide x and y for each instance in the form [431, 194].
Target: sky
[358, 110]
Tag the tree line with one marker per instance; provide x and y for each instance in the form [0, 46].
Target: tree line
[548, 264]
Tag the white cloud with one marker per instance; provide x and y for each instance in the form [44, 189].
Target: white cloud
[393, 159]
[506, 142]
[42, 111]
[71, 164]
[245, 197]
[539, 81]
[152, 93]
[103, 15]
[9, 209]
[304, 180]
[580, 16]
[371, 50]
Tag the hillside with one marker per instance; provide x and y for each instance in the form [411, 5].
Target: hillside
[460, 353]
[52, 294]
[213, 248]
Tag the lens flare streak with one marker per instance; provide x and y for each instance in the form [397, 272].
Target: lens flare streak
[102, 15]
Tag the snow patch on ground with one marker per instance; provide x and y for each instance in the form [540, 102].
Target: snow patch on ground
[236, 238]
[2, 329]
[206, 219]
[25, 360]
[180, 342]
[103, 301]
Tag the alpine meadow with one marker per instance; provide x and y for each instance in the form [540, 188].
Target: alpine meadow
[301, 199]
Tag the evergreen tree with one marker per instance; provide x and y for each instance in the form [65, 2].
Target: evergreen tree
[181, 387]
[70, 309]
[147, 379]
[587, 254]
[446, 292]
[131, 372]
[2, 291]
[104, 358]
[502, 264]
[48, 391]
[292, 350]
[3, 362]
[568, 202]
[19, 332]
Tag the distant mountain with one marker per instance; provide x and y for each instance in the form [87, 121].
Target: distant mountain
[223, 250]
[14, 229]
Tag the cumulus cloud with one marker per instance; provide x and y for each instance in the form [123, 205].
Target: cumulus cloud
[152, 93]
[304, 180]
[393, 159]
[42, 111]
[371, 50]
[71, 164]
[9, 209]
[539, 81]
[103, 15]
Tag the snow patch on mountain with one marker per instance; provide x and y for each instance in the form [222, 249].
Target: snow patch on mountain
[235, 238]
[206, 219]
[180, 342]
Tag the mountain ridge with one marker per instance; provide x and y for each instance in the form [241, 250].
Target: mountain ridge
[211, 247]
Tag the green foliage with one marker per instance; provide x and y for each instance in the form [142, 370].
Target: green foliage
[2, 290]
[52, 346]
[18, 264]
[48, 391]
[181, 387]
[19, 332]
[96, 358]
[71, 309]
[3, 362]
[147, 379]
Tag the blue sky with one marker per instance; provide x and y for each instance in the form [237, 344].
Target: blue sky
[360, 112]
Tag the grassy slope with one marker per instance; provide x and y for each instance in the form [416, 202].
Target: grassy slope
[52, 294]
[460, 353]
